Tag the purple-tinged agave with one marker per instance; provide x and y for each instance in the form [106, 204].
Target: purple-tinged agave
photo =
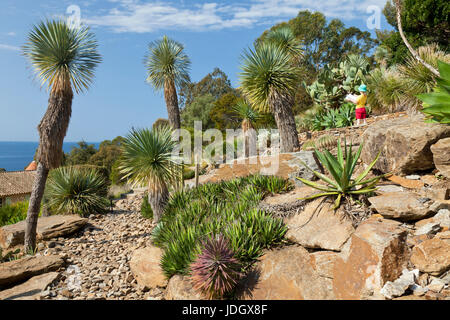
[216, 271]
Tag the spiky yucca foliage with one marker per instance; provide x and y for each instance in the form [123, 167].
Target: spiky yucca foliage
[286, 40]
[268, 80]
[216, 271]
[341, 168]
[72, 190]
[247, 114]
[168, 69]
[147, 160]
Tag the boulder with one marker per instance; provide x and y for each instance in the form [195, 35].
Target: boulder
[404, 144]
[285, 274]
[323, 263]
[376, 253]
[441, 156]
[318, 226]
[405, 206]
[433, 255]
[47, 228]
[181, 288]
[20, 270]
[31, 289]
[146, 268]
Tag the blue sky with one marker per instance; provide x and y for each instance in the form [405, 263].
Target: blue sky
[214, 34]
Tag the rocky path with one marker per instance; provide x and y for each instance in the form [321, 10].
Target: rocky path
[98, 259]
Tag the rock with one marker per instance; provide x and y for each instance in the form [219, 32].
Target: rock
[427, 227]
[429, 179]
[398, 287]
[31, 289]
[443, 218]
[405, 206]
[47, 228]
[303, 172]
[413, 177]
[319, 226]
[146, 268]
[439, 191]
[389, 188]
[418, 290]
[285, 274]
[404, 144]
[441, 156]
[436, 285]
[433, 255]
[375, 254]
[406, 183]
[180, 288]
[20, 270]
[410, 297]
[323, 262]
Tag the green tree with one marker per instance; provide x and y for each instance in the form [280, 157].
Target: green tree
[215, 83]
[222, 113]
[81, 154]
[423, 21]
[168, 68]
[199, 110]
[64, 58]
[147, 161]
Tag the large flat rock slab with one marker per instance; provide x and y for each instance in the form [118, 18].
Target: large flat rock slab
[31, 289]
[406, 206]
[441, 156]
[285, 274]
[47, 228]
[181, 288]
[20, 270]
[404, 144]
[318, 226]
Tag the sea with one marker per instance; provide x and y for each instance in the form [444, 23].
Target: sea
[15, 156]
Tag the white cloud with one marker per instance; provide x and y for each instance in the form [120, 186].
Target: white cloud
[149, 16]
[9, 47]
[11, 34]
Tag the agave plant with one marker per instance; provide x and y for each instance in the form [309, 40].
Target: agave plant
[437, 103]
[216, 271]
[341, 183]
[76, 191]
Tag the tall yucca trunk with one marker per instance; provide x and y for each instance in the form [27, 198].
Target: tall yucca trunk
[170, 95]
[52, 130]
[248, 136]
[158, 196]
[281, 107]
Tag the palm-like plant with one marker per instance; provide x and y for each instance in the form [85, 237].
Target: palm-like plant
[268, 79]
[168, 68]
[76, 190]
[286, 40]
[247, 114]
[147, 160]
[64, 59]
[341, 184]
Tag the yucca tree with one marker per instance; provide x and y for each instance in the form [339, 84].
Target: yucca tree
[168, 68]
[268, 79]
[147, 161]
[249, 117]
[64, 59]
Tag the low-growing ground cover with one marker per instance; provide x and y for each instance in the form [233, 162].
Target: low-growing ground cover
[226, 208]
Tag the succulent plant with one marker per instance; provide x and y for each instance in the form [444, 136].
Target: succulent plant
[216, 271]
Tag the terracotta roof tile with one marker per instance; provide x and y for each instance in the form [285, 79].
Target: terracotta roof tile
[16, 182]
[32, 166]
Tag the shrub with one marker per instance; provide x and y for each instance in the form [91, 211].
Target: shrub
[341, 169]
[77, 191]
[146, 209]
[14, 213]
[216, 270]
[227, 208]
